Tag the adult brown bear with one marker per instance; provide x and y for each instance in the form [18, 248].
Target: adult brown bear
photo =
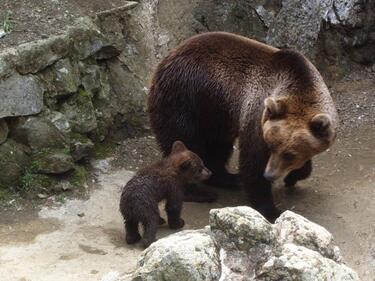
[218, 86]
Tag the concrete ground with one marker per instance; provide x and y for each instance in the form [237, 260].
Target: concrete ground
[83, 239]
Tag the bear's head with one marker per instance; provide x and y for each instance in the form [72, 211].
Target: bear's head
[293, 135]
[188, 165]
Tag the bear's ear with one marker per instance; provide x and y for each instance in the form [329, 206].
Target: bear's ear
[178, 146]
[273, 108]
[321, 126]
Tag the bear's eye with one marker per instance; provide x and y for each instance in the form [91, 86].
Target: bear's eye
[288, 156]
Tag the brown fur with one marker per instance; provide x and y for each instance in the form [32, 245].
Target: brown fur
[217, 86]
[165, 179]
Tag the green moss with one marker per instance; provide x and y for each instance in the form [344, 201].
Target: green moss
[79, 177]
[83, 93]
[32, 181]
[4, 194]
[102, 150]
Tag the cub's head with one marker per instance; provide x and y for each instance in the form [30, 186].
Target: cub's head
[292, 136]
[188, 164]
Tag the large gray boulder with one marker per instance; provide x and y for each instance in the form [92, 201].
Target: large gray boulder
[20, 96]
[186, 256]
[242, 245]
[38, 133]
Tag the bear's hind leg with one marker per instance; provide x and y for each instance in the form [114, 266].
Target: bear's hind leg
[132, 234]
[299, 174]
[150, 228]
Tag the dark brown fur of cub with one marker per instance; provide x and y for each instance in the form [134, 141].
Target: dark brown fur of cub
[165, 179]
[217, 86]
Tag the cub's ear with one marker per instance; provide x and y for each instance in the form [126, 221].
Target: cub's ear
[185, 165]
[273, 108]
[321, 126]
[178, 146]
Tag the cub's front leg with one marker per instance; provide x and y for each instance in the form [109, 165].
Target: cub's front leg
[173, 208]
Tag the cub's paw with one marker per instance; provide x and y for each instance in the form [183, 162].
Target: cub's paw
[176, 224]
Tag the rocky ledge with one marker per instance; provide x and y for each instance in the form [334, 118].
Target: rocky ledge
[240, 244]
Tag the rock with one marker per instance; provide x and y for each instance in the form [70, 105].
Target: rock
[20, 95]
[298, 24]
[80, 112]
[35, 56]
[6, 62]
[13, 162]
[86, 38]
[243, 226]
[62, 79]
[3, 131]
[293, 228]
[53, 162]
[60, 121]
[240, 245]
[81, 147]
[185, 256]
[302, 264]
[38, 133]
[90, 77]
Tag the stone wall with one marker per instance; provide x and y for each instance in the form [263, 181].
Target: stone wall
[58, 97]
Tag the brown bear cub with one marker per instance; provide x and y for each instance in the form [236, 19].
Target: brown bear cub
[165, 179]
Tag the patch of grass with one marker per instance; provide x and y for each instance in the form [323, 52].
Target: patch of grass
[8, 22]
[61, 198]
[4, 194]
[79, 177]
[35, 182]
[102, 150]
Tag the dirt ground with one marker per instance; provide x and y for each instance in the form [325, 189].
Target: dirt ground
[37, 19]
[83, 239]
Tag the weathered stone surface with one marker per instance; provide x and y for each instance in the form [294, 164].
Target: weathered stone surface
[81, 147]
[80, 112]
[35, 56]
[242, 225]
[298, 24]
[38, 133]
[302, 264]
[20, 95]
[60, 121]
[3, 131]
[293, 228]
[62, 79]
[86, 38]
[53, 162]
[185, 256]
[13, 161]
[241, 245]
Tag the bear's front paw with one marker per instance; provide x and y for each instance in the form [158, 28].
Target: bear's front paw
[270, 212]
[176, 224]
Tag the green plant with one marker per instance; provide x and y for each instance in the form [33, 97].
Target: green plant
[8, 22]
[79, 176]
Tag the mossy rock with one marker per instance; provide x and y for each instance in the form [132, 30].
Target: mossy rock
[36, 182]
[80, 112]
[52, 161]
[13, 161]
